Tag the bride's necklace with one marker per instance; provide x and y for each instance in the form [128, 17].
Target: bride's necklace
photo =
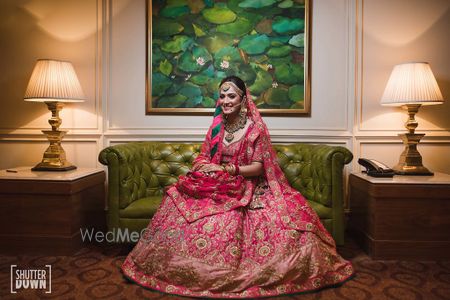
[232, 128]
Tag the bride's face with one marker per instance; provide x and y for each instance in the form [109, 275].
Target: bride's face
[230, 101]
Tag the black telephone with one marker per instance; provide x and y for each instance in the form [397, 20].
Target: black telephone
[375, 168]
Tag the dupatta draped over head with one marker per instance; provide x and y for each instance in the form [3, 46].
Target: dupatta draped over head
[197, 194]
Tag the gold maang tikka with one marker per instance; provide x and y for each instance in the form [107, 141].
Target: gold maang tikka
[228, 84]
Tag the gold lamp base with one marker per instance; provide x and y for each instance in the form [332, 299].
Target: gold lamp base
[54, 157]
[410, 162]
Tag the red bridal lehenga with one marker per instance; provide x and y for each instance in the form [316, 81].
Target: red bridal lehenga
[224, 236]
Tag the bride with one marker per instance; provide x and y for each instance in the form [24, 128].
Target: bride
[233, 227]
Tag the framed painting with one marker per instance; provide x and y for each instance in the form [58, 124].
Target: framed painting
[193, 44]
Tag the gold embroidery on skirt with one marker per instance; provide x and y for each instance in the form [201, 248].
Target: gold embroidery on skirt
[183, 275]
[293, 234]
[235, 251]
[265, 275]
[264, 251]
[208, 227]
[259, 234]
[201, 243]
[156, 263]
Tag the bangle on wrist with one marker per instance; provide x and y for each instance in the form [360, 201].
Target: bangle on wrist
[236, 169]
[230, 169]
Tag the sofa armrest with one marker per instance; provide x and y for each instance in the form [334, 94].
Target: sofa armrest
[110, 158]
[128, 177]
[334, 158]
[339, 158]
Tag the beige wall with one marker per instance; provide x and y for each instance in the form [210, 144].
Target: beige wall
[67, 30]
[392, 32]
[355, 44]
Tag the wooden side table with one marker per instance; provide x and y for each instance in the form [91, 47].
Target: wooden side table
[42, 212]
[404, 217]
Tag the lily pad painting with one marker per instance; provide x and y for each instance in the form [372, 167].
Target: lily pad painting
[193, 44]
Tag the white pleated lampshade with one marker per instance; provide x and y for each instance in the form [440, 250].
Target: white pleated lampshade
[54, 81]
[412, 83]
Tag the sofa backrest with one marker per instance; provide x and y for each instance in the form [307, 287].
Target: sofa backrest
[153, 166]
[306, 171]
[167, 162]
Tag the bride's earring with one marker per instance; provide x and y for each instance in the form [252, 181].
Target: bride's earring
[243, 111]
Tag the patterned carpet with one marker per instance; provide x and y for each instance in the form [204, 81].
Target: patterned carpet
[93, 273]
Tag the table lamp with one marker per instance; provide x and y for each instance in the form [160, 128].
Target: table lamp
[411, 85]
[54, 82]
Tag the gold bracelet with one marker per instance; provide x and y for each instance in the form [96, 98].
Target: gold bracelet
[231, 169]
[227, 168]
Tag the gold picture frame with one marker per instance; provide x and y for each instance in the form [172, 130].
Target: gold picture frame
[191, 46]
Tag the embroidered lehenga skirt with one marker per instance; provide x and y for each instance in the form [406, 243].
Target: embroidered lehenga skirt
[243, 252]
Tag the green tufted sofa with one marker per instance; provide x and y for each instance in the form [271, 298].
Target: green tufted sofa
[138, 172]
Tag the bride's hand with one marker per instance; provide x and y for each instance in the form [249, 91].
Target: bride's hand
[210, 168]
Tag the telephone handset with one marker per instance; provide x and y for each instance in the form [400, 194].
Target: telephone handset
[375, 168]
